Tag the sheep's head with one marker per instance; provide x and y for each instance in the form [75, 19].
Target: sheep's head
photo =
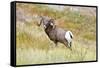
[47, 22]
[51, 23]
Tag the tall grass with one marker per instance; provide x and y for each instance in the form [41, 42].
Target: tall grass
[34, 46]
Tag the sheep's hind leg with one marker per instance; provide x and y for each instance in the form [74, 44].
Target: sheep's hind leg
[70, 44]
[51, 46]
[67, 45]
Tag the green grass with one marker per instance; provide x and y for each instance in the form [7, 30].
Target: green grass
[34, 46]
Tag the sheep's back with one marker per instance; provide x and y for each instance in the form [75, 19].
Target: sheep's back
[60, 33]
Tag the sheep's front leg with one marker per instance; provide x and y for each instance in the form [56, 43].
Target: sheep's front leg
[55, 43]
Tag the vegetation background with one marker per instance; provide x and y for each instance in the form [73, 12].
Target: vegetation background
[33, 45]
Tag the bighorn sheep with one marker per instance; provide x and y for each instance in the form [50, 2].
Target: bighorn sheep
[55, 33]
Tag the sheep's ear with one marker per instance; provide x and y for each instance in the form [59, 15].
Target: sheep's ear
[51, 20]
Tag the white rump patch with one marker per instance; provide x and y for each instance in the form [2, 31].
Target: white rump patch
[68, 37]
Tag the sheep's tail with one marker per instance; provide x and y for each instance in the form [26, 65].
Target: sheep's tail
[71, 35]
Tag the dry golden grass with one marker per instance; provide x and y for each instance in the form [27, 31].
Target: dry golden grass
[34, 46]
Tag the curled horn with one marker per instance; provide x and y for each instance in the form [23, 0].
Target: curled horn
[52, 23]
[41, 21]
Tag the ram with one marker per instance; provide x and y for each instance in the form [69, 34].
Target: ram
[55, 33]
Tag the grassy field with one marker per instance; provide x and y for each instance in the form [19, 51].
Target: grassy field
[33, 45]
